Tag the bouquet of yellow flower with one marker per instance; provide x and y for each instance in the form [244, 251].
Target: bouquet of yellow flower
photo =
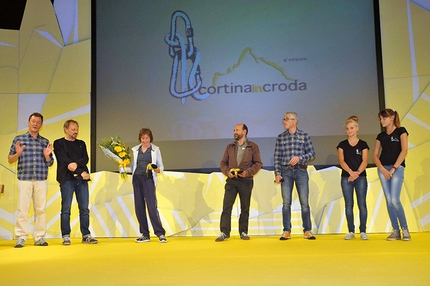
[116, 150]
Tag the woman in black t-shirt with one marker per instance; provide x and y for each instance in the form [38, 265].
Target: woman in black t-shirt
[391, 163]
[353, 155]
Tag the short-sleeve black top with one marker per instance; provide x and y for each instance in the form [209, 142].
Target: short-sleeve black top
[353, 155]
[391, 146]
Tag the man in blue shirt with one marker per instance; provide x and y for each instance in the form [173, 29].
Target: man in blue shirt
[34, 155]
[293, 150]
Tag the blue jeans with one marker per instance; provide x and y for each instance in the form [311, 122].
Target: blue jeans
[301, 178]
[80, 188]
[360, 185]
[392, 190]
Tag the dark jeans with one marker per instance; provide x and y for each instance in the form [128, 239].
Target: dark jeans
[144, 197]
[233, 187]
[80, 188]
[360, 185]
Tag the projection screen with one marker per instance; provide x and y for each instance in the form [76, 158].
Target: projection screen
[191, 70]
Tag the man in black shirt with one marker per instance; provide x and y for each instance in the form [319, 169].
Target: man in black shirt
[73, 176]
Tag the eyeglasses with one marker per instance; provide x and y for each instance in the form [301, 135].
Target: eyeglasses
[286, 119]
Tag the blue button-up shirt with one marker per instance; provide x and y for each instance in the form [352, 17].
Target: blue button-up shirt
[32, 165]
[290, 145]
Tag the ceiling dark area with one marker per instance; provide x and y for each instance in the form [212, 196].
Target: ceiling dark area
[11, 13]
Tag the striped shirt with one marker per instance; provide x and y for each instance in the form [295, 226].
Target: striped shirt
[32, 165]
[290, 145]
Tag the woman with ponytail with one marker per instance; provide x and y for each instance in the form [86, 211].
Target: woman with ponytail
[353, 154]
[389, 156]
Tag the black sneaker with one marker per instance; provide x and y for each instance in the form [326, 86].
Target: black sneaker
[89, 240]
[142, 239]
[162, 238]
[222, 237]
[244, 236]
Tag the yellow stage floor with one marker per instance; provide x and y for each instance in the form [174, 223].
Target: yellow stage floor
[263, 260]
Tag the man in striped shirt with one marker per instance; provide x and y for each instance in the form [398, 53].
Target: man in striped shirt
[293, 150]
[34, 155]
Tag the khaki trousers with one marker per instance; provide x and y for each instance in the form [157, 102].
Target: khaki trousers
[31, 191]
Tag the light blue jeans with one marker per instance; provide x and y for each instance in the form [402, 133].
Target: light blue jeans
[301, 179]
[392, 190]
[360, 185]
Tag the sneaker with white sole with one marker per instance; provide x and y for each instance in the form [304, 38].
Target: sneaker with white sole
[363, 236]
[349, 236]
[20, 243]
[142, 239]
[89, 240]
[162, 239]
[66, 240]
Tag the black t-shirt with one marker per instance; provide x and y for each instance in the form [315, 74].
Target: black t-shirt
[353, 155]
[391, 146]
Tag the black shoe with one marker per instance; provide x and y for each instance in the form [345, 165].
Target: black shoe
[244, 236]
[222, 237]
[142, 239]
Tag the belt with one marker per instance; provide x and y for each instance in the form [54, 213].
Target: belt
[297, 166]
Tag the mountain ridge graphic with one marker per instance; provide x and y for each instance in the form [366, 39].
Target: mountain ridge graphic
[249, 51]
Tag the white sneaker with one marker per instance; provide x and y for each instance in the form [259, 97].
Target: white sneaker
[363, 236]
[20, 243]
[349, 236]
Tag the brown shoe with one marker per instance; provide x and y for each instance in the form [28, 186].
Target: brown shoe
[309, 235]
[285, 235]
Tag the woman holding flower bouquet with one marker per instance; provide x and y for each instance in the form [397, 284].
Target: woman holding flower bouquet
[147, 163]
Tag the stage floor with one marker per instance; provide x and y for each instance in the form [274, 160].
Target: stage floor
[263, 260]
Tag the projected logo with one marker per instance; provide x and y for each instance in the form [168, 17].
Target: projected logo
[290, 84]
[189, 82]
[188, 78]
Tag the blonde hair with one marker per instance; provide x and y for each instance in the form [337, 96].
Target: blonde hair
[352, 119]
